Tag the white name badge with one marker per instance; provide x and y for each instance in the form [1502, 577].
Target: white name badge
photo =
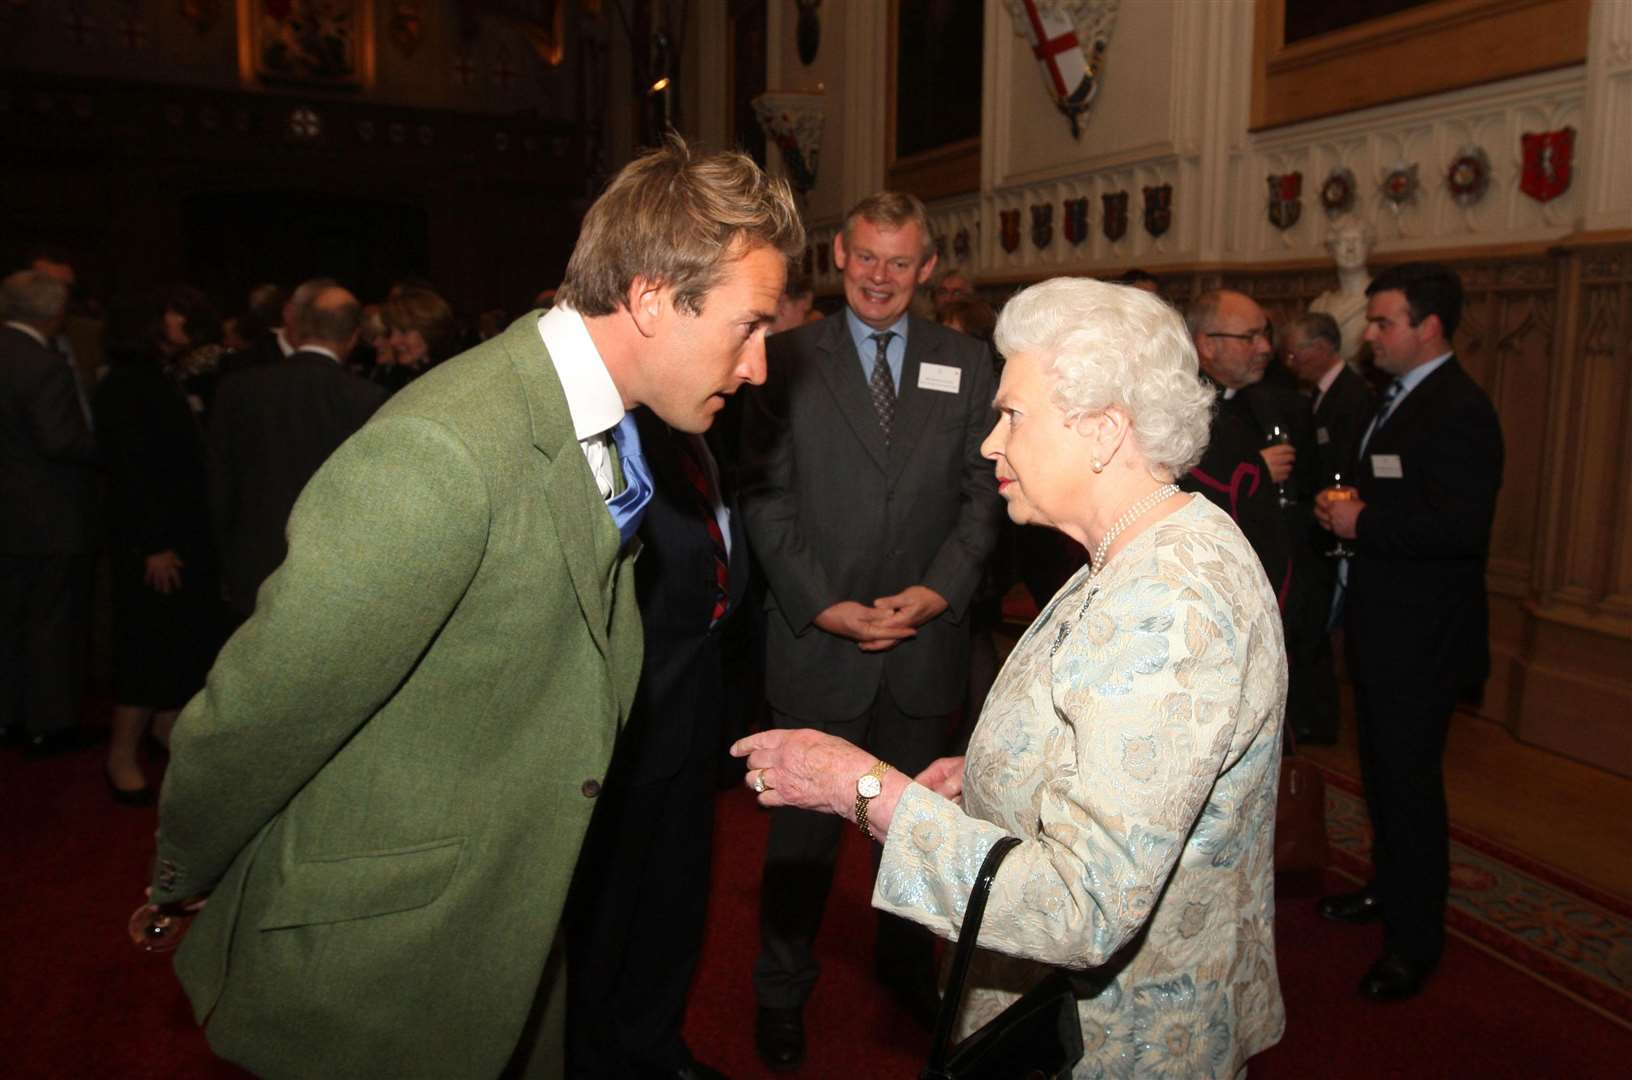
[1322, 436]
[1387, 467]
[939, 377]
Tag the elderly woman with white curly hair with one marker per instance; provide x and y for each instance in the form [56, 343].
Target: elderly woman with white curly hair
[1133, 738]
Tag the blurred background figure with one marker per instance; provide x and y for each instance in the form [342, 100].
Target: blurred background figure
[273, 427]
[48, 520]
[422, 334]
[951, 285]
[189, 339]
[794, 307]
[1135, 278]
[165, 609]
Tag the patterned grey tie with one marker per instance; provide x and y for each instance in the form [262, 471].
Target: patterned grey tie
[1384, 407]
[883, 386]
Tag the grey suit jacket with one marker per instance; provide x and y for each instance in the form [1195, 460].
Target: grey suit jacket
[48, 497]
[833, 515]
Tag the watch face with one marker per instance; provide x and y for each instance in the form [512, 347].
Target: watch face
[869, 786]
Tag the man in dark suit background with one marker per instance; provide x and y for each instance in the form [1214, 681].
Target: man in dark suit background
[48, 526]
[1416, 618]
[1340, 409]
[272, 425]
[1237, 472]
[1342, 402]
[872, 512]
[640, 893]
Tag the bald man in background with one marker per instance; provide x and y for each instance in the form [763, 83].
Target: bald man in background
[272, 426]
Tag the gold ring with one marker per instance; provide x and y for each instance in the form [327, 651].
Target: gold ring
[759, 782]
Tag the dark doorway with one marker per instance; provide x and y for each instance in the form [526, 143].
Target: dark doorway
[235, 240]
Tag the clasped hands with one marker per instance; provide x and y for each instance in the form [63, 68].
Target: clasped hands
[890, 621]
[1338, 516]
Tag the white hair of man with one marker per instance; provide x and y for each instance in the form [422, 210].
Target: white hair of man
[33, 297]
[1116, 346]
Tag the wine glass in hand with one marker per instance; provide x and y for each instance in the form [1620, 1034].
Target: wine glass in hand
[157, 928]
[1340, 492]
[1278, 437]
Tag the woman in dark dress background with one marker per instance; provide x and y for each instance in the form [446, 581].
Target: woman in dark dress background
[165, 591]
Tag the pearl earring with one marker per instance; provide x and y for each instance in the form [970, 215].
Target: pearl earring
[1098, 465]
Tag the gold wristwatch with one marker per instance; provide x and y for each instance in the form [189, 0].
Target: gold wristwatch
[868, 785]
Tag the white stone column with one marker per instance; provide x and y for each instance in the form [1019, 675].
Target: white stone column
[1603, 152]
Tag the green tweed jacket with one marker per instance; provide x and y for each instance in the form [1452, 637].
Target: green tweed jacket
[386, 781]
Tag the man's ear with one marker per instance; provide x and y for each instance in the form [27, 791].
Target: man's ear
[928, 268]
[647, 303]
[839, 256]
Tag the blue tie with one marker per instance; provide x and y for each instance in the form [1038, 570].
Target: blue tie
[1384, 407]
[628, 505]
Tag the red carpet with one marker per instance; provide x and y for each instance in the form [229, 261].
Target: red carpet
[77, 1001]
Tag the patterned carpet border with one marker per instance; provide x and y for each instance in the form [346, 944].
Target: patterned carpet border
[1569, 935]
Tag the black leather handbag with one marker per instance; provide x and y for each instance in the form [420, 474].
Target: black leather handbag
[1039, 1037]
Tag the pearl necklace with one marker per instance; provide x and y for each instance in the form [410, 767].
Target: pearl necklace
[1134, 513]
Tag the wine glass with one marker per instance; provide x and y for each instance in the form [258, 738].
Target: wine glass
[1278, 437]
[1340, 492]
[158, 928]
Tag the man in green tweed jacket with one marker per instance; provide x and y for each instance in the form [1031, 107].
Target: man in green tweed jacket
[384, 785]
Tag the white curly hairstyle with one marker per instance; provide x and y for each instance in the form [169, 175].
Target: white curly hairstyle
[1112, 345]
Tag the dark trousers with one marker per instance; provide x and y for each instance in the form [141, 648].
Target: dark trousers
[1402, 750]
[1311, 689]
[635, 918]
[801, 853]
[44, 620]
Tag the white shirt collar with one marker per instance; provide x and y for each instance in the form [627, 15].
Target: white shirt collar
[592, 398]
[1328, 379]
[284, 347]
[30, 331]
[321, 350]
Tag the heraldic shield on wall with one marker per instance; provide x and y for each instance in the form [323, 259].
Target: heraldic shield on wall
[1285, 199]
[1115, 221]
[1069, 38]
[1158, 208]
[1076, 220]
[1547, 163]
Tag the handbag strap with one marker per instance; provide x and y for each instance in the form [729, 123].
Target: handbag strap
[973, 913]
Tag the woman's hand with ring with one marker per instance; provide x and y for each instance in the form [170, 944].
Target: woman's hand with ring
[808, 769]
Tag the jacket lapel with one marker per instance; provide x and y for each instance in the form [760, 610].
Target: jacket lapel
[583, 528]
[841, 367]
[1419, 401]
[913, 404]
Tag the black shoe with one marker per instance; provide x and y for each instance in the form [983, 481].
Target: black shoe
[1393, 978]
[142, 796]
[779, 1035]
[1352, 907]
[696, 1070]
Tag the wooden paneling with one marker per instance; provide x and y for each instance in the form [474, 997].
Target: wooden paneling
[1440, 46]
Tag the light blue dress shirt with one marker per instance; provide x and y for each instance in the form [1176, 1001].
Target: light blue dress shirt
[867, 350]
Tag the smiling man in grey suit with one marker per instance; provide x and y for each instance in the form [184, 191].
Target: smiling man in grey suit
[872, 512]
[386, 782]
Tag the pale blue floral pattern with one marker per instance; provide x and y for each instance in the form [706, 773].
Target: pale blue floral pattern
[1132, 740]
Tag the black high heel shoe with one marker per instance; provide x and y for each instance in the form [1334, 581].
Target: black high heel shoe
[142, 796]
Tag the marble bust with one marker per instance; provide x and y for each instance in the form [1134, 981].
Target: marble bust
[1349, 240]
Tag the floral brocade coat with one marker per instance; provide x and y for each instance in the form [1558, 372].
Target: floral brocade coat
[1133, 742]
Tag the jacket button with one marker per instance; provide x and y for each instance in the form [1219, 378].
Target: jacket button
[591, 788]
